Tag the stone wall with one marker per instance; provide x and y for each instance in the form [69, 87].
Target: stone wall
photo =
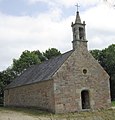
[70, 80]
[35, 95]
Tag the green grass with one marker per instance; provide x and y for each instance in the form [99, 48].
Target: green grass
[113, 103]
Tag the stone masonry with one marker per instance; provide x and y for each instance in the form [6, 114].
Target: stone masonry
[38, 95]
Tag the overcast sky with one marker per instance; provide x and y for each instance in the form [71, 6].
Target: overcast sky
[42, 24]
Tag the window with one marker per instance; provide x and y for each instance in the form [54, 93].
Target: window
[84, 71]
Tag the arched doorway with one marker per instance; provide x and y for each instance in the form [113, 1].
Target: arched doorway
[85, 100]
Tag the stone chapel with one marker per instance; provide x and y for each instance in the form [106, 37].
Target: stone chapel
[73, 81]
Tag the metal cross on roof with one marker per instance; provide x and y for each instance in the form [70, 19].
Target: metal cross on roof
[77, 6]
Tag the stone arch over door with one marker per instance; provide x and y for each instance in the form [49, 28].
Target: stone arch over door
[85, 99]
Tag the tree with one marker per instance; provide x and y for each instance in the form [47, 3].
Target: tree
[40, 55]
[51, 53]
[1, 88]
[106, 58]
[5, 78]
[109, 65]
[26, 59]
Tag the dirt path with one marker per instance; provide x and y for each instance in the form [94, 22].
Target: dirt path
[11, 115]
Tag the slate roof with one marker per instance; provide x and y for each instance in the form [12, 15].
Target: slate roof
[40, 72]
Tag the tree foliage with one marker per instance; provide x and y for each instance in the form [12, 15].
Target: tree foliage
[26, 59]
[51, 53]
[106, 58]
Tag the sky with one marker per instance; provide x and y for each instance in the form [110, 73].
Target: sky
[42, 24]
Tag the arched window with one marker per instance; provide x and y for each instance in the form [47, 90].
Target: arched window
[85, 100]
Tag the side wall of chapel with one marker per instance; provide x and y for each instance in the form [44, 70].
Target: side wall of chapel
[35, 95]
